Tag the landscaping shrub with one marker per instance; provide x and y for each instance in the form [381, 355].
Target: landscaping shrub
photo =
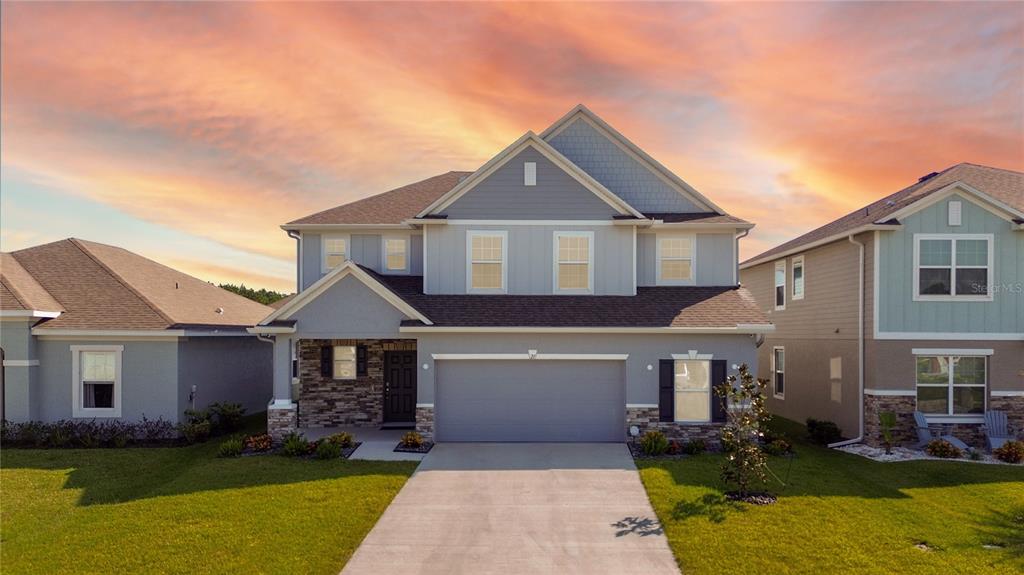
[344, 440]
[87, 433]
[822, 432]
[227, 416]
[154, 430]
[261, 442]
[60, 434]
[653, 443]
[942, 448]
[412, 440]
[195, 432]
[887, 421]
[328, 450]
[1010, 452]
[695, 447]
[776, 447]
[295, 445]
[230, 448]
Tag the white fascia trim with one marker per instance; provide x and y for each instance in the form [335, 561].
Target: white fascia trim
[743, 329]
[532, 356]
[660, 225]
[631, 149]
[693, 355]
[1007, 394]
[344, 227]
[950, 351]
[430, 405]
[21, 363]
[641, 405]
[821, 242]
[119, 333]
[587, 223]
[987, 202]
[29, 313]
[336, 275]
[891, 392]
[963, 336]
[270, 329]
[546, 150]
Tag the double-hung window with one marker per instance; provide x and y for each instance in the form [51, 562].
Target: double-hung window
[487, 254]
[335, 252]
[950, 267]
[779, 372]
[798, 277]
[692, 390]
[396, 254]
[675, 259]
[780, 284]
[951, 384]
[574, 262]
[344, 362]
[96, 380]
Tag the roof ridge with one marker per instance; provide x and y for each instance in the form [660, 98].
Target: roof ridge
[84, 249]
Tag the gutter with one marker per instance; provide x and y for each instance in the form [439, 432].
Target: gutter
[860, 348]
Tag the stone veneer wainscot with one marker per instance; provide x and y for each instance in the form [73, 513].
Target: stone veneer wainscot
[647, 419]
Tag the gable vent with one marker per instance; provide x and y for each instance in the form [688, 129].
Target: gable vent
[530, 174]
[955, 213]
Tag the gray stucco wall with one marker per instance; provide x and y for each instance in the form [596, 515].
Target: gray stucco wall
[225, 369]
[619, 171]
[149, 379]
[713, 253]
[643, 350]
[531, 258]
[18, 345]
[503, 196]
[348, 309]
[364, 249]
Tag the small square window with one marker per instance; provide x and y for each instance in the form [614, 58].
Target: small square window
[396, 254]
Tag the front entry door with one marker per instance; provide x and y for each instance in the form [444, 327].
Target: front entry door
[399, 386]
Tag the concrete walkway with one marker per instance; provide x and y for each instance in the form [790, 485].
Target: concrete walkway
[520, 509]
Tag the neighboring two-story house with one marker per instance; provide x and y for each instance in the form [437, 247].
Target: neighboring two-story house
[912, 303]
[569, 289]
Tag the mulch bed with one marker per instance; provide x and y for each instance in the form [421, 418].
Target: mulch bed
[638, 453]
[424, 448]
[345, 453]
[753, 497]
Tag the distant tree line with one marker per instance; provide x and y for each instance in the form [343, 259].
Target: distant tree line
[264, 296]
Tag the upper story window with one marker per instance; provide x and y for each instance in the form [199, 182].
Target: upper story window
[335, 252]
[953, 267]
[951, 384]
[396, 254]
[574, 262]
[485, 270]
[780, 284]
[675, 260]
[798, 277]
[96, 380]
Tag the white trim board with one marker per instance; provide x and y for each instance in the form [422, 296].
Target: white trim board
[739, 329]
[693, 355]
[952, 336]
[1007, 393]
[28, 313]
[891, 392]
[949, 351]
[530, 356]
[21, 363]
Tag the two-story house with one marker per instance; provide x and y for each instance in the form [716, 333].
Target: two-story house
[912, 303]
[569, 289]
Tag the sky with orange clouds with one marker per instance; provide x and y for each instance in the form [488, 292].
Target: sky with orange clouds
[188, 132]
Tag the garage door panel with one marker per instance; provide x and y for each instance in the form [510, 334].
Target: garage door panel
[530, 400]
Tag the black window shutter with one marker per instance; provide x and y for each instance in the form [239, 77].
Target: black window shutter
[360, 361]
[326, 361]
[718, 375]
[666, 390]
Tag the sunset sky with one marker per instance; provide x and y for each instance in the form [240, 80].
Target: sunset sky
[189, 132]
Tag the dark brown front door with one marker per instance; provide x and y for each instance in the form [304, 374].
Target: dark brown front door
[399, 386]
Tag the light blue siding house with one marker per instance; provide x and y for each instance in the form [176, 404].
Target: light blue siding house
[570, 289]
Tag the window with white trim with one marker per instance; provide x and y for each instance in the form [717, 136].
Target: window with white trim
[486, 271]
[952, 267]
[574, 262]
[675, 259]
[692, 382]
[396, 254]
[798, 277]
[779, 372]
[96, 380]
[951, 384]
[335, 251]
[780, 284]
[344, 362]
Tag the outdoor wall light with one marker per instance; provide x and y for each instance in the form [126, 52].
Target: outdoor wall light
[650, 367]
[426, 366]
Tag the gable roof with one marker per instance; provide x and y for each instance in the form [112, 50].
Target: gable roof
[20, 291]
[669, 177]
[1004, 186]
[529, 139]
[102, 287]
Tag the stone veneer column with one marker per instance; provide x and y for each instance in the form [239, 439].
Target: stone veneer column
[1014, 408]
[904, 433]
[425, 421]
[282, 420]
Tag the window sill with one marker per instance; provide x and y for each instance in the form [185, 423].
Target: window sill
[86, 413]
[953, 298]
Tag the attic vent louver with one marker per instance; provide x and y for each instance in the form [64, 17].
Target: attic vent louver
[927, 177]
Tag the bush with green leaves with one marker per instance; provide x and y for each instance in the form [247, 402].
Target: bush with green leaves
[694, 447]
[327, 450]
[1011, 452]
[653, 443]
[822, 432]
[343, 439]
[227, 416]
[777, 447]
[87, 433]
[294, 445]
[746, 417]
[942, 448]
[232, 447]
[411, 440]
[196, 432]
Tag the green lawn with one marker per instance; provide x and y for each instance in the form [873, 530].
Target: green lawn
[841, 513]
[181, 510]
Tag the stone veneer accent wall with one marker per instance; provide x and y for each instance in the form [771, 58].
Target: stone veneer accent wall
[326, 402]
[646, 418]
[425, 422]
[905, 434]
[1014, 408]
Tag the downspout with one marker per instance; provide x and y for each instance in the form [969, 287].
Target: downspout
[736, 250]
[860, 348]
[298, 265]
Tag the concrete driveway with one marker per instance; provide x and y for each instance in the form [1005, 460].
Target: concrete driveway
[519, 508]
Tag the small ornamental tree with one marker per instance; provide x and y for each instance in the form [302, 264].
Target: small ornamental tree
[746, 416]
